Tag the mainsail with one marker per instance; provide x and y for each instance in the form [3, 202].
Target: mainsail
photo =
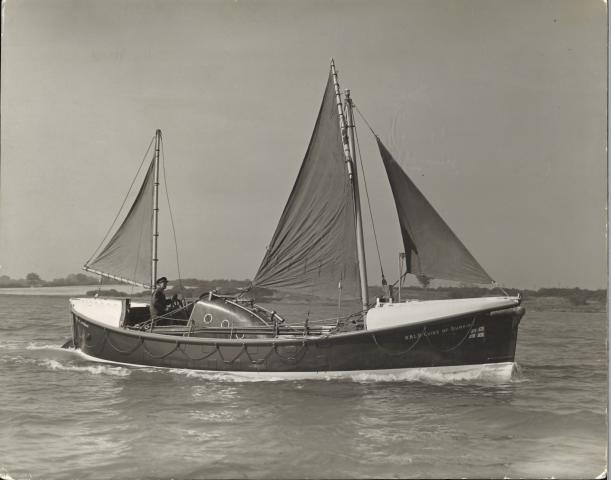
[127, 256]
[431, 247]
[313, 250]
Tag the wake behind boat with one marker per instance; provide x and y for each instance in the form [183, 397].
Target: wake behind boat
[317, 252]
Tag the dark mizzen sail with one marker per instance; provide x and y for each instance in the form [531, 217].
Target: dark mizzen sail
[127, 256]
[314, 246]
[431, 247]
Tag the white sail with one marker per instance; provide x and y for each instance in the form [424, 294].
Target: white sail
[127, 255]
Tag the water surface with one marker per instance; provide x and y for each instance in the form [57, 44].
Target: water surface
[63, 417]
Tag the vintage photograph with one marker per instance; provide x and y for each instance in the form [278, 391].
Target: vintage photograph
[303, 239]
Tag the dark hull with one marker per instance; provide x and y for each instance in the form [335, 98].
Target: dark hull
[487, 337]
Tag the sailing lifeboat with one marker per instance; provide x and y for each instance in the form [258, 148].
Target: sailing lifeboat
[316, 253]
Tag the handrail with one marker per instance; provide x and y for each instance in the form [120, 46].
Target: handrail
[247, 310]
[182, 329]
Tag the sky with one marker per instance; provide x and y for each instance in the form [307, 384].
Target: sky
[496, 109]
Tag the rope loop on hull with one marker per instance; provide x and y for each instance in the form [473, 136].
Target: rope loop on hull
[181, 346]
[261, 360]
[455, 346]
[159, 357]
[183, 350]
[402, 352]
[230, 362]
[98, 348]
[123, 352]
[295, 359]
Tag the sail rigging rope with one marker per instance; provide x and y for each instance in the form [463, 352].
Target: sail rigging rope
[167, 195]
[496, 285]
[406, 225]
[365, 120]
[123, 204]
[373, 226]
[377, 137]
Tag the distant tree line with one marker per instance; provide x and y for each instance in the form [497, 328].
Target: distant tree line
[33, 279]
[577, 296]
[193, 287]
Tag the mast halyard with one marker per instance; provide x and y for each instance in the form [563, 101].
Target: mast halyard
[347, 133]
[154, 258]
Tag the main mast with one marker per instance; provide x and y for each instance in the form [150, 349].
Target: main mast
[155, 209]
[347, 132]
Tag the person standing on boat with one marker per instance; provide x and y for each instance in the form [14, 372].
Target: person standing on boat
[158, 300]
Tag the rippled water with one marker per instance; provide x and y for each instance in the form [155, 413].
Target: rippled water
[64, 417]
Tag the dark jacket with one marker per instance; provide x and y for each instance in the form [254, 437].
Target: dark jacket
[158, 303]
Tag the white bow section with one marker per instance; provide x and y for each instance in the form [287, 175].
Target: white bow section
[386, 315]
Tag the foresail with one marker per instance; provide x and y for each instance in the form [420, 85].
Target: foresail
[313, 250]
[127, 256]
[431, 247]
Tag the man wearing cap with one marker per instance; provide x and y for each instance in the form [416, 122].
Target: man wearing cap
[158, 300]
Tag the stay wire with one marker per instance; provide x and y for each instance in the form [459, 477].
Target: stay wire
[407, 225]
[123, 204]
[167, 195]
[365, 120]
[375, 236]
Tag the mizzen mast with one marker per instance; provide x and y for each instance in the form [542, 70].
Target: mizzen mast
[347, 133]
[154, 258]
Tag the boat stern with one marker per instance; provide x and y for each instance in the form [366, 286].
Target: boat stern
[109, 311]
[105, 311]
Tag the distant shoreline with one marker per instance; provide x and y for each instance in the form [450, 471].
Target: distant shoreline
[66, 290]
[544, 303]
